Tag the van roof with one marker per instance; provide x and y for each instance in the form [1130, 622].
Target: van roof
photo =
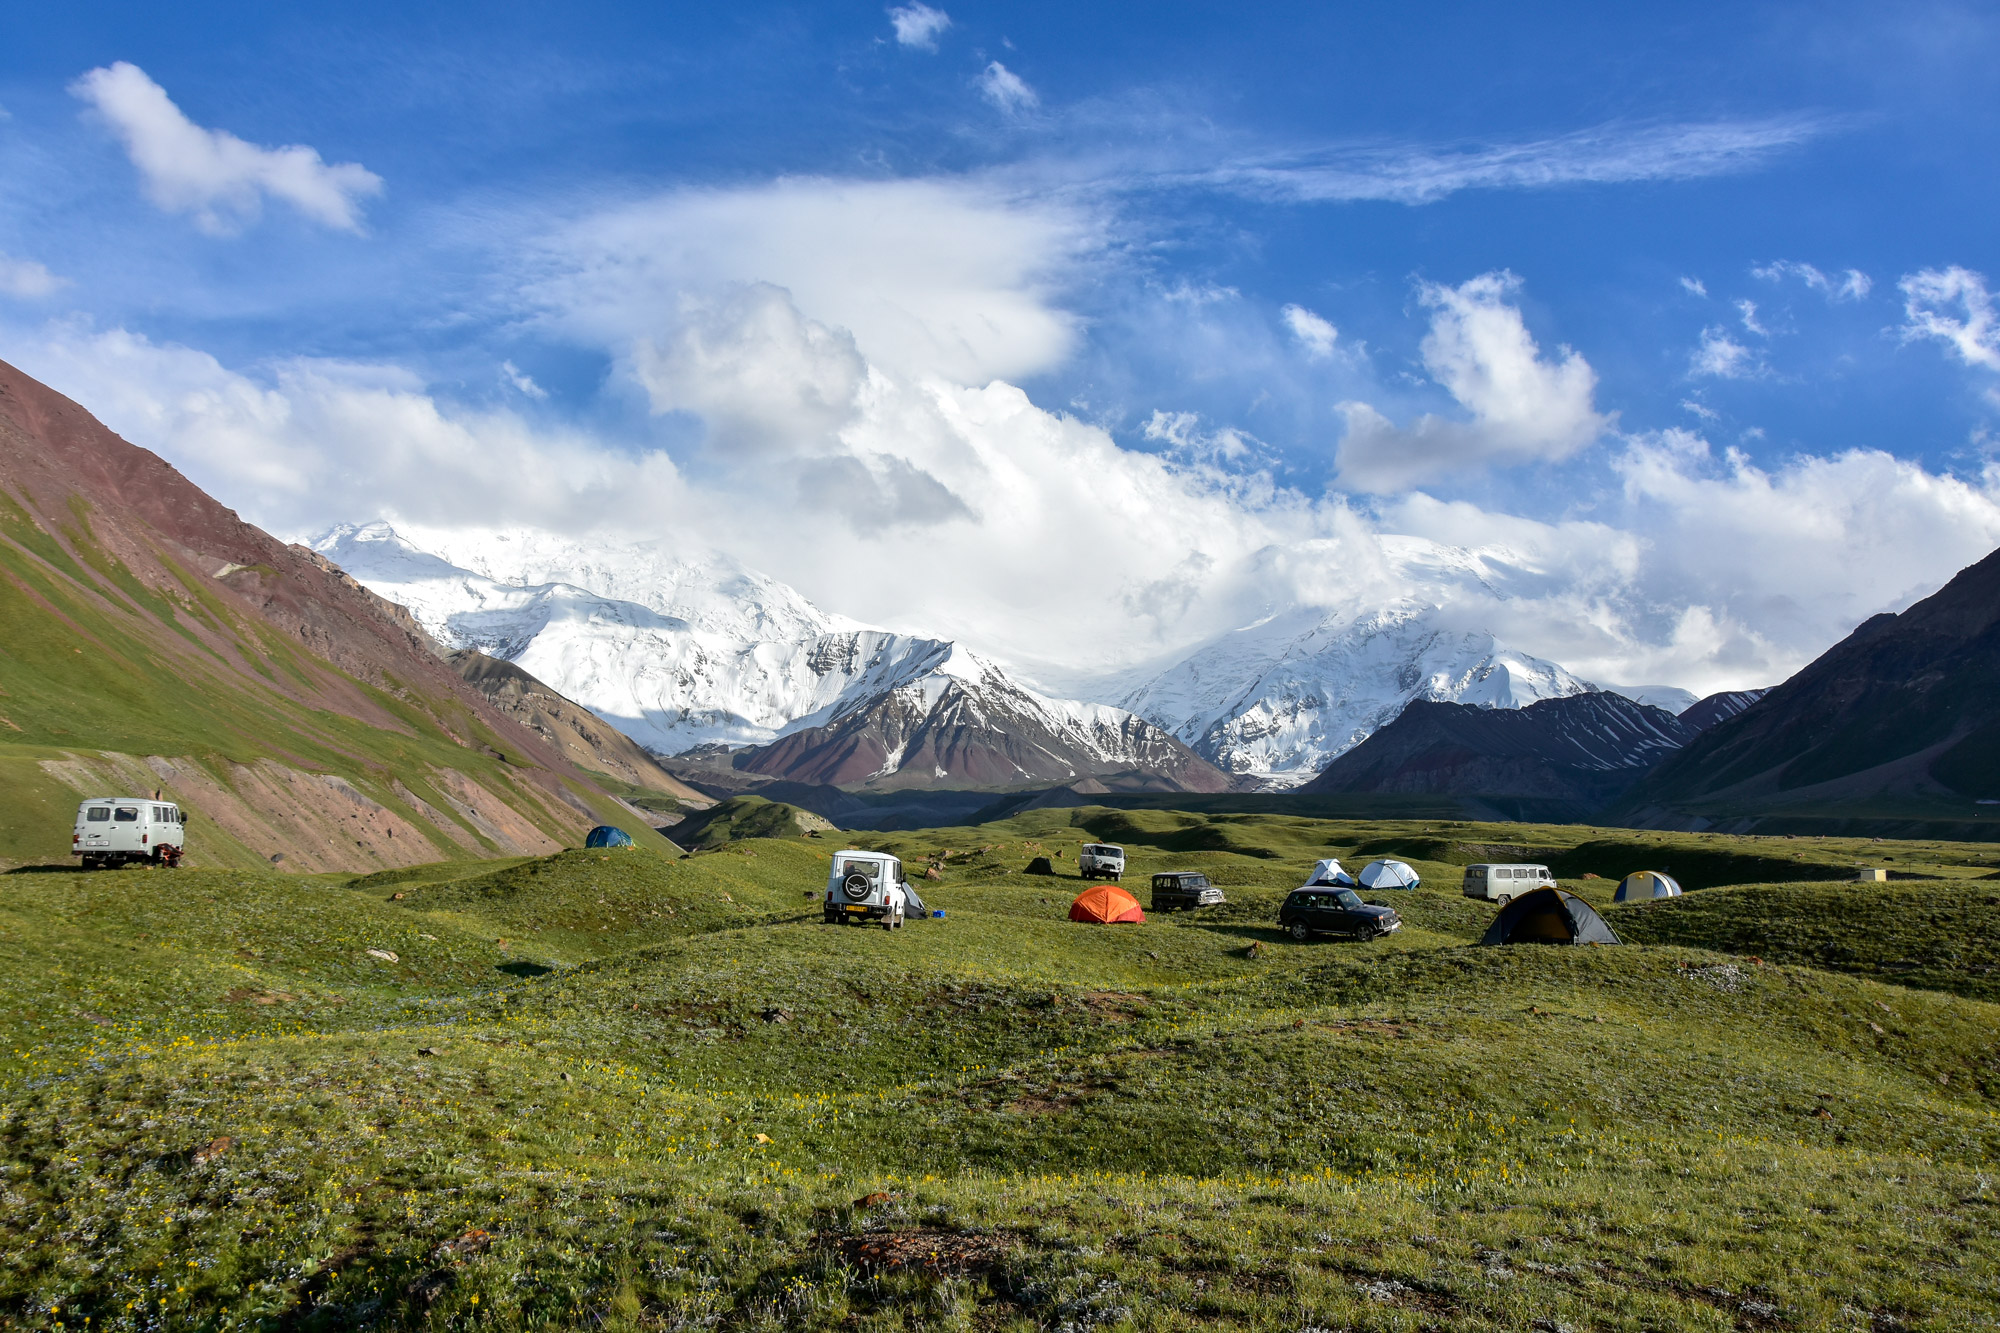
[1507, 865]
[129, 800]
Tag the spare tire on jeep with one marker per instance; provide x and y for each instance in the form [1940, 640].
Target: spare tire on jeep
[856, 886]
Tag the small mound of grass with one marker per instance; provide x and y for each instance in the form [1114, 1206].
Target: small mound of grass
[1938, 935]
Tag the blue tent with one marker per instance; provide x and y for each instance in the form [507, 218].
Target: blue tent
[606, 836]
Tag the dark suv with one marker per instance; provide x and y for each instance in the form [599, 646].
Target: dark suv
[1178, 889]
[1333, 911]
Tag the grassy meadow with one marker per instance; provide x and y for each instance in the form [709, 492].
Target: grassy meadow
[623, 1091]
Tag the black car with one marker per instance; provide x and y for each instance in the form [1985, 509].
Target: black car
[1178, 889]
[1332, 911]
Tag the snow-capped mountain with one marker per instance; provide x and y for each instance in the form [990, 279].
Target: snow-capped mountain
[962, 718]
[680, 653]
[1283, 698]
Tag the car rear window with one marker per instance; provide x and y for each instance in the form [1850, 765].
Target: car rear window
[127, 814]
[872, 869]
[97, 814]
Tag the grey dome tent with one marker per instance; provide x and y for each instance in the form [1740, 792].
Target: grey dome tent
[606, 836]
[1388, 875]
[1548, 916]
[1328, 874]
[1643, 884]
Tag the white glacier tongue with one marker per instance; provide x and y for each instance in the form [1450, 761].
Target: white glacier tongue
[1283, 698]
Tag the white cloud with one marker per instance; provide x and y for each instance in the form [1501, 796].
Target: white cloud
[1953, 306]
[1722, 357]
[1747, 310]
[1315, 334]
[1606, 154]
[27, 280]
[1853, 285]
[1701, 410]
[1709, 572]
[1524, 408]
[522, 381]
[951, 278]
[1004, 88]
[212, 174]
[919, 25]
[1695, 286]
[303, 442]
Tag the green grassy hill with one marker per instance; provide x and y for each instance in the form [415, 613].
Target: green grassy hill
[623, 1090]
[747, 817]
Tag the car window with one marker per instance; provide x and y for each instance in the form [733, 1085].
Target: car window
[1347, 898]
[871, 869]
[97, 814]
[127, 814]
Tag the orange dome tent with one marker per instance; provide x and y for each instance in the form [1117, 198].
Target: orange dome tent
[1106, 905]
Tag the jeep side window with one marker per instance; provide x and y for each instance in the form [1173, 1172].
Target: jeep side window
[127, 814]
[97, 814]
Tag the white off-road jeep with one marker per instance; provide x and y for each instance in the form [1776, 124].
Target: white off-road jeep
[114, 830]
[1100, 860]
[868, 886]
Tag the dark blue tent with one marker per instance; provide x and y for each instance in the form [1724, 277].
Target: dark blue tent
[606, 836]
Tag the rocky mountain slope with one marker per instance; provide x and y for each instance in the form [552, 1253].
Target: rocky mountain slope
[680, 654]
[1902, 717]
[1555, 759]
[571, 729]
[155, 640]
[1705, 713]
[961, 721]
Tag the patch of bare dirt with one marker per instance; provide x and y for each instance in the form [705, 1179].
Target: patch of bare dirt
[923, 1249]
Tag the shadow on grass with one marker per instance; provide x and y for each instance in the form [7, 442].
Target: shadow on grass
[523, 968]
[47, 870]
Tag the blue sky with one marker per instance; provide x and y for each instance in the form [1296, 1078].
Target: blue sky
[1688, 312]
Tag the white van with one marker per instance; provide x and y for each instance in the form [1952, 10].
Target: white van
[1100, 860]
[1504, 883]
[116, 830]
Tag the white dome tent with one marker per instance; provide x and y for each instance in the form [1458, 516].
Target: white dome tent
[1388, 875]
[1641, 885]
[1328, 874]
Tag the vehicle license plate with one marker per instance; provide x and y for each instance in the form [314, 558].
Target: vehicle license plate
[857, 909]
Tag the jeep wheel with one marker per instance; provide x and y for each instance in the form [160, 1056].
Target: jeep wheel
[1297, 930]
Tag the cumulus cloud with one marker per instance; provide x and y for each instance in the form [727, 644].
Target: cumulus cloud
[1747, 312]
[1006, 90]
[919, 25]
[1853, 285]
[1953, 306]
[1706, 570]
[1315, 334]
[27, 280]
[302, 443]
[1523, 407]
[953, 278]
[218, 178]
[1721, 357]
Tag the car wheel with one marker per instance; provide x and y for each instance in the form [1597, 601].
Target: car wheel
[1504, 899]
[1298, 931]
